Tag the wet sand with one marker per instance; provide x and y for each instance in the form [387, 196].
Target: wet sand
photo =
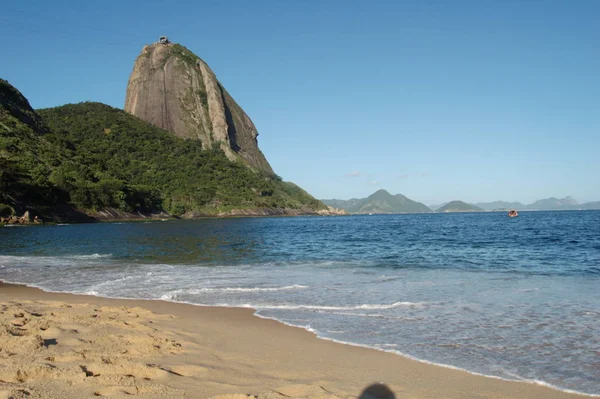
[75, 346]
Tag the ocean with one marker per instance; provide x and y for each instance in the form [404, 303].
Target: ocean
[514, 298]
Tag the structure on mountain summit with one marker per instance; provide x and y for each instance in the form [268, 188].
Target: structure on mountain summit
[163, 40]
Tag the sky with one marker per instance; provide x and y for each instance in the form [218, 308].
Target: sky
[437, 100]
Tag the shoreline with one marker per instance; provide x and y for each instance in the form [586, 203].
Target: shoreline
[150, 219]
[416, 359]
[169, 219]
[444, 380]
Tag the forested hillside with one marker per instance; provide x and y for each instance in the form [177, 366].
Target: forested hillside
[92, 156]
[27, 158]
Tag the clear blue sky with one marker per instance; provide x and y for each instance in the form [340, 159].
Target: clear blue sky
[438, 100]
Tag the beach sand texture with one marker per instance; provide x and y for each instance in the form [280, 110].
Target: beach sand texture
[70, 346]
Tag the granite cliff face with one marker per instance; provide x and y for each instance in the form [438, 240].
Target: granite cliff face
[174, 89]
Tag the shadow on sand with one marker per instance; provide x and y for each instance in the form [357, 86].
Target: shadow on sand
[377, 391]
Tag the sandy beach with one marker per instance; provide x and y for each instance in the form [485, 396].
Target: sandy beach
[73, 346]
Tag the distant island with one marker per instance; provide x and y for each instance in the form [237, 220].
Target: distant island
[382, 202]
[546, 204]
[459, 206]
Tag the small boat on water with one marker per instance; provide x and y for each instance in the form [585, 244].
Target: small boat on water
[513, 213]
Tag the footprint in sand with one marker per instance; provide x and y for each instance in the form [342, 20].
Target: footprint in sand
[185, 370]
[112, 391]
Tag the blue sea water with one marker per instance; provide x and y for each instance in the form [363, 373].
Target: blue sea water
[513, 298]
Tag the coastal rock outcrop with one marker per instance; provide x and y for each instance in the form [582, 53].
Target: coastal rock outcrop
[331, 211]
[25, 219]
[174, 89]
[257, 212]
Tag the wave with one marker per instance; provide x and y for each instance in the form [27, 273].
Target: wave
[52, 258]
[92, 256]
[387, 279]
[109, 283]
[374, 315]
[195, 291]
[251, 289]
[317, 307]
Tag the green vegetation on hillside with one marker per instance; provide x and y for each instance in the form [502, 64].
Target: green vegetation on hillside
[184, 54]
[93, 156]
[26, 157]
[127, 163]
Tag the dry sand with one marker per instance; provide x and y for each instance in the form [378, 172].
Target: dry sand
[72, 346]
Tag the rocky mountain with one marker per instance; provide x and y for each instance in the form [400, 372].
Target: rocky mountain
[499, 205]
[91, 161]
[554, 204]
[459, 206]
[174, 89]
[380, 201]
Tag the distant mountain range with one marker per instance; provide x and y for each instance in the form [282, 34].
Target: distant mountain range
[379, 202]
[382, 201]
[547, 204]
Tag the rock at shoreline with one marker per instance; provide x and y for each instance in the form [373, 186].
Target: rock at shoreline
[25, 219]
[331, 211]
